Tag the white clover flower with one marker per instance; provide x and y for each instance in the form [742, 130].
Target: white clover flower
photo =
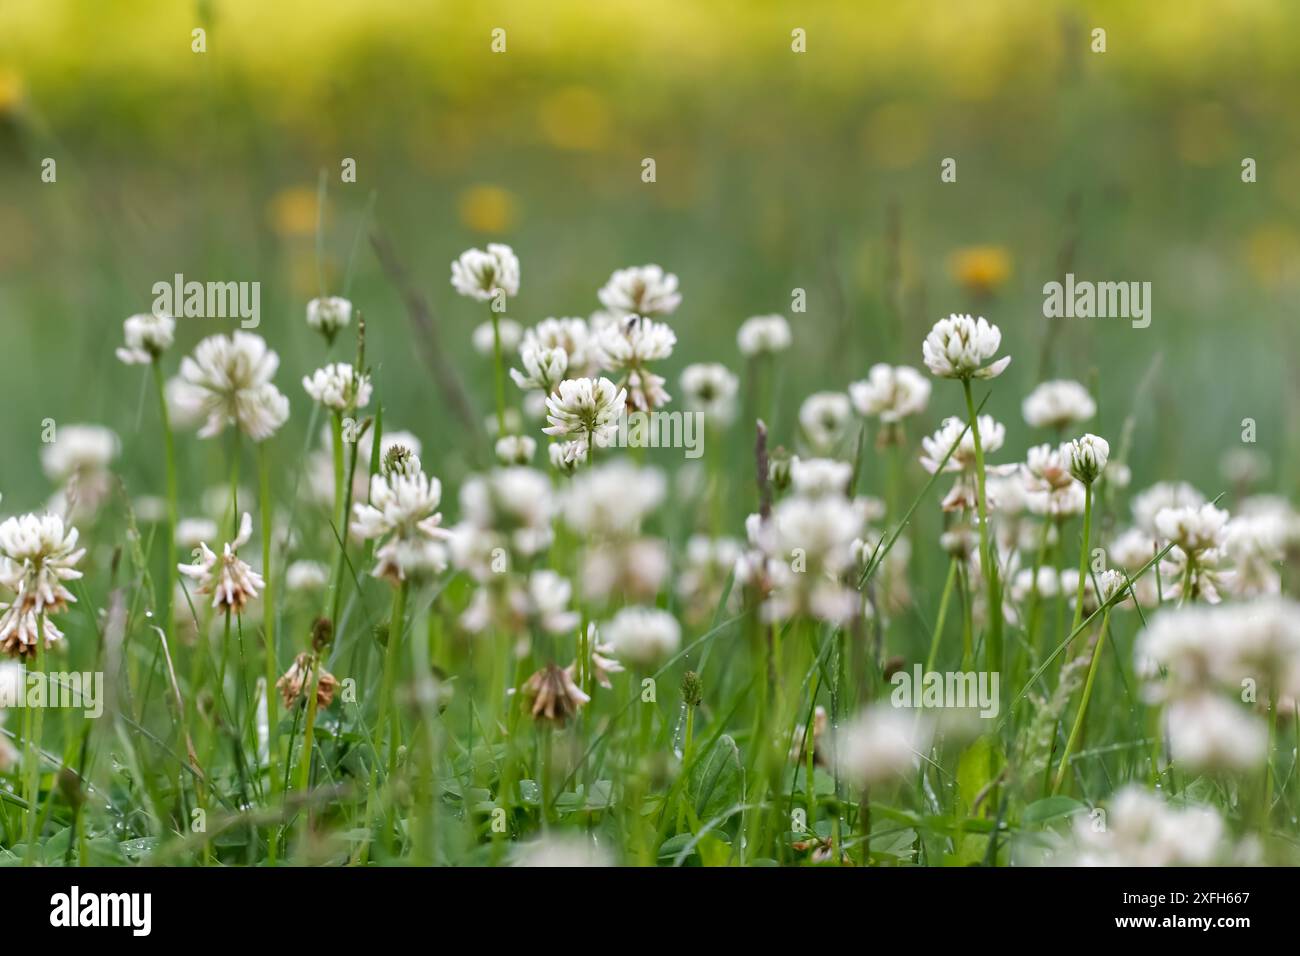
[147, 337]
[710, 388]
[338, 387]
[1058, 404]
[1144, 830]
[1088, 456]
[601, 655]
[814, 477]
[562, 851]
[566, 456]
[306, 576]
[1022, 585]
[38, 553]
[1048, 468]
[612, 500]
[882, 744]
[1209, 733]
[585, 410]
[950, 436]
[544, 367]
[641, 290]
[228, 382]
[230, 581]
[1194, 529]
[481, 275]
[958, 347]
[1187, 651]
[398, 459]
[79, 450]
[632, 342]
[329, 314]
[570, 334]
[890, 393]
[484, 337]
[403, 513]
[825, 418]
[1256, 545]
[810, 544]
[1147, 504]
[643, 636]
[516, 449]
[763, 335]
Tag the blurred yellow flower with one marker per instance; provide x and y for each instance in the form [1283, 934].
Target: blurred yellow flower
[575, 117]
[982, 270]
[488, 209]
[292, 211]
[12, 91]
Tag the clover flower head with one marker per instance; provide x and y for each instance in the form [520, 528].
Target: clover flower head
[38, 554]
[544, 367]
[1193, 529]
[585, 409]
[328, 315]
[230, 581]
[147, 337]
[825, 417]
[1088, 456]
[643, 290]
[960, 345]
[515, 449]
[482, 275]
[883, 744]
[890, 393]
[338, 387]
[643, 636]
[763, 335]
[1058, 404]
[710, 388]
[227, 381]
[298, 677]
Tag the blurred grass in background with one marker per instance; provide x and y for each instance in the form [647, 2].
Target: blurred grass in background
[774, 171]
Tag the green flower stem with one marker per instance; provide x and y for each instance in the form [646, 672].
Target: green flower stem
[390, 675]
[32, 752]
[1083, 557]
[1077, 730]
[943, 615]
[268, 624]
[169, 459]
[993, 650]
[498, 374]
[309, 726]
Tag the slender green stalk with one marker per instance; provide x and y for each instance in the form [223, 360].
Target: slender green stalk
[943, 615]
[1083, 556]
[268, 626]
[169, 463]
[390, 675]
[1077, 731]
[309, 727]
[993, 651]
[498, 374]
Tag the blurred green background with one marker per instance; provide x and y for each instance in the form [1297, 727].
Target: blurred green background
[775, 170]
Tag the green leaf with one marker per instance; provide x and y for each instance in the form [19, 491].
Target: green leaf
[1050, 808]
[716, 780]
